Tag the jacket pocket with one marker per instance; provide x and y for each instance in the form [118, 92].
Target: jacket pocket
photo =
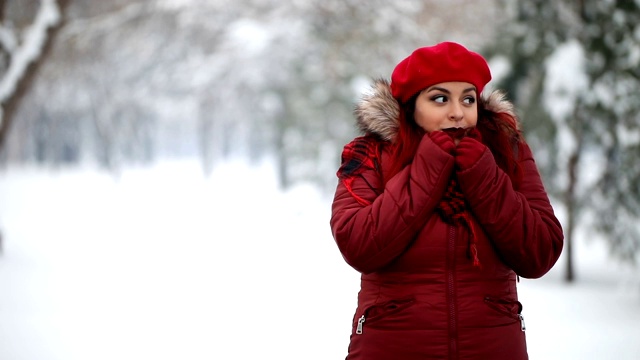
[376, 314]
[506, 307]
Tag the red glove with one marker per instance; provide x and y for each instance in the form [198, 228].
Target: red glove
[444, 141]
[474, 133]
[468, 152]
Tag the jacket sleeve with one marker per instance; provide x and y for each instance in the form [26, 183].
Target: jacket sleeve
[520, 222]
[370, 236]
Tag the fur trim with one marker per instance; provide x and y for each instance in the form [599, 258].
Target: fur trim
[497, 103]
[378, 111]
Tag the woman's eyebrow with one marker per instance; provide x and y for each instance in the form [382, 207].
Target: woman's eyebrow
[439, 89]
[449, 92]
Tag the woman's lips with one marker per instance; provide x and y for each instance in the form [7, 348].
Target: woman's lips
[456, 133]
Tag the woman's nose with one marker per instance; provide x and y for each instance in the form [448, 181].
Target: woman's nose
[455, 112]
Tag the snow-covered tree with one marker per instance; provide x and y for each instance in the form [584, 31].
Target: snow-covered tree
[313, 69]
[611, 108]
[24, 46]
[132, 81]
[573, 65]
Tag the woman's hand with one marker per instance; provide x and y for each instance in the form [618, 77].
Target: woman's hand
[468, 152]
[444, 141]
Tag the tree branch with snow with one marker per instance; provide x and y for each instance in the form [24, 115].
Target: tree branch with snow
[25, 56]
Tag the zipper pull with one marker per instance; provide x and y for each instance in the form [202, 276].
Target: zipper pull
[522, 327]
[360, 322]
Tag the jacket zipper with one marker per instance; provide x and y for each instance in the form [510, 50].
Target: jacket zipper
[522, 326]
[360, 325]
[453, 326]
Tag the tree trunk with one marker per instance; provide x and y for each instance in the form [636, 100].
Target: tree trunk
[570, 201]
[12, 103]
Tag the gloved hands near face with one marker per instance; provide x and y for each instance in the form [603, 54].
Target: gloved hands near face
[464, 144]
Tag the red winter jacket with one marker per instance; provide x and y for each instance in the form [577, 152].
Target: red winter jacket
[421, 297]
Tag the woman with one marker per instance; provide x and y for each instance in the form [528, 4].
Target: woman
[440, 206]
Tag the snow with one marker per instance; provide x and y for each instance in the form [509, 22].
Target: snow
[163, 263]
[566, 78]
[566, 81]
[500, 68]
[250, 36]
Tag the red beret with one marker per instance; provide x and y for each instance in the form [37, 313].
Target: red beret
[431, 65]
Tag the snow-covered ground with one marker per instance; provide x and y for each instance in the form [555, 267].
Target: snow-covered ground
[164, 264]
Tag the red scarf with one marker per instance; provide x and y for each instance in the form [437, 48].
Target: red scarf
[453, 209]
[362, 153]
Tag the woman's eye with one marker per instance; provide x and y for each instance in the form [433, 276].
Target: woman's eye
[439, 98]
[469, 100]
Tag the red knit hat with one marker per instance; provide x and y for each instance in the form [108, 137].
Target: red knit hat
[431, 65]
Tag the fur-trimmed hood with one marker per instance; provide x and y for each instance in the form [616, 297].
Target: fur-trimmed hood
[378, 111]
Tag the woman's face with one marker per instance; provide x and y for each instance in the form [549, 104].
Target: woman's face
[447, 105]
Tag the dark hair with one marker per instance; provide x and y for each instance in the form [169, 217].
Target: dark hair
[406, 142]
[501, 135]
